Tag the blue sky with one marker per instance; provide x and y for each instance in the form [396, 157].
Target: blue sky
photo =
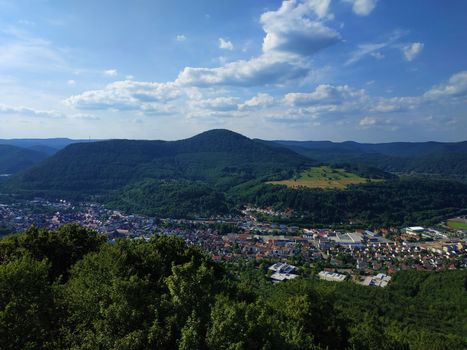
[364, 70]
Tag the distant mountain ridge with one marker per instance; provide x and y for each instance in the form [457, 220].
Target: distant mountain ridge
[17, 155]
[14, 159]
[217, 157]
[48, 146]
[219, 171]
[398, 149]
[426, 158]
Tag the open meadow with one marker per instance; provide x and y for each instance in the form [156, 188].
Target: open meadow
[323, 177]
[458, 224]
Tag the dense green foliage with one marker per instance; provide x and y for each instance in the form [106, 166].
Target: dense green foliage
[424, 158]
[69, 290]
[14, 159]
[217, 157]
[389, 203]
[170, 198]
[417, 307]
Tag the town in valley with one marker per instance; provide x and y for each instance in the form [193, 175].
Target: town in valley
[367, 256]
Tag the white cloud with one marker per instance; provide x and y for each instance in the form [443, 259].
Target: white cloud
[261, 100]
[222, 104]
[367, 121]
[71, 82]
[364, 50]
[225, 44]
[377, 55]
[373, 49]
[28, 112]
[362, 7]
[298, 28]
[293, 32]
[455, 87]
[412, 50]
[394, 104]
[343, 101]
[325, 94]
[126, 95]
[111, 72]
[262, 70]
[84, 116]
[180, 38]
[326, 106]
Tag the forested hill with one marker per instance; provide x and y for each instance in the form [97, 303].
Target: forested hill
[427, 158]
[219, 171]
[14, 159]
[217, 157]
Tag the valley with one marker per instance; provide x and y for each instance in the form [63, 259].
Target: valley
[222, 223]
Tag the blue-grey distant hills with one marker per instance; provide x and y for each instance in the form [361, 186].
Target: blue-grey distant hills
[47, 146]
[20, 154]
[14, 159]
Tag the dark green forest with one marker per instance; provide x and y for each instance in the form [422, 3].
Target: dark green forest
[70, 289]
[432, 159]
[391, 203]
[219, 172]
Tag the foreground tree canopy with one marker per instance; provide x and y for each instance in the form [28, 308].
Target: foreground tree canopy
[71, 290]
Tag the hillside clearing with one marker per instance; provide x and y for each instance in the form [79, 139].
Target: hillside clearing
[457, 224]
[323, 177]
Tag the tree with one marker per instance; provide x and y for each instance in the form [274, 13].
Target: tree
[27, 312]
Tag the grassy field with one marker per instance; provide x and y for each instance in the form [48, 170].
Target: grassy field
[457, 224]
[323, 177]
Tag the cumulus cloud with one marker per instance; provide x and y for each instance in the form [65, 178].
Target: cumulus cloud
[411, 51]
[222, 104]
[261, 100]
[125, 95]
[325, 94]
[343, 100]
[367, 121]
[455, 87]
[362, 7]
[298, 28]
[180, 38]
[293, 32]
[261, 70]
[225, 44]
[395, 104]
[111, 72]
[325, 105]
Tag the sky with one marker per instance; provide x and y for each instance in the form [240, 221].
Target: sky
[362, 70]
